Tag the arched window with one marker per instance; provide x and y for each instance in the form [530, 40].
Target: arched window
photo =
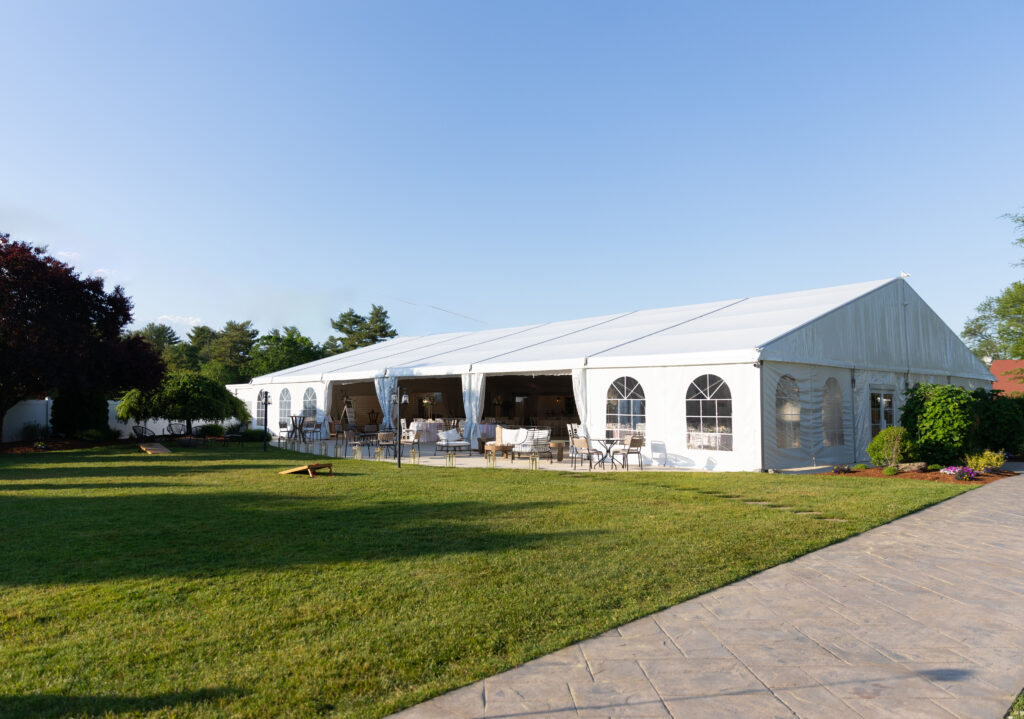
[626, 410]
[832, 414]
[709, 414]
[261, 411]
[309, 403]
[284, 404]
[787, 413]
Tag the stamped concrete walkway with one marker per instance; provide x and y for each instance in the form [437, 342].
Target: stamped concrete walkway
[923, 617]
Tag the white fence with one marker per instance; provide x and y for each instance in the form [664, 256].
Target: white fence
[37, 411]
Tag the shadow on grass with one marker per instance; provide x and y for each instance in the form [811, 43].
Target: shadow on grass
[58, 539]
[62, 705]
[153, 469]
[102, 486]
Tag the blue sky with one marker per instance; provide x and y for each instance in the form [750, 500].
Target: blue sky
[514, 162]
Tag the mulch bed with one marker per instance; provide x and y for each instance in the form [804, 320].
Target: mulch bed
[52, 445]
[936, 476]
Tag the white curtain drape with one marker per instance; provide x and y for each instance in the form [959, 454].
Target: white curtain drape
[385, 386]
[473, 402]
[579, 393]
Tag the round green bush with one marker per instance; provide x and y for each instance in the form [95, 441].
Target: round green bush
[934, 467]
[888, 447]
[890, 471]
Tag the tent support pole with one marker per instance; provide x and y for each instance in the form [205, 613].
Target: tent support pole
[760, 389]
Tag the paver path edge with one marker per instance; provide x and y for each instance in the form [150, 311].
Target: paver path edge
[921, 617]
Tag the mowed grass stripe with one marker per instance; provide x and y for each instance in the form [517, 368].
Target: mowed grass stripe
[203, 584]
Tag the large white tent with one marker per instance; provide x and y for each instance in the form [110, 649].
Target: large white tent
[779, 381]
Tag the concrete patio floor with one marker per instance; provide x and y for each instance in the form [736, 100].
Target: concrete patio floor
[923, 617]
[332, 448]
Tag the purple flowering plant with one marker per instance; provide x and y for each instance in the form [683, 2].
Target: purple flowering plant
[960, 472]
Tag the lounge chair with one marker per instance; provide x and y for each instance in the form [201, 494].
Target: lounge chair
[451, 441]
[537, 441]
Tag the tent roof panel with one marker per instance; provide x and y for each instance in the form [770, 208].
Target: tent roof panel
[738, 328]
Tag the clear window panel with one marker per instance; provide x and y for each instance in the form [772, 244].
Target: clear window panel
[709, 413]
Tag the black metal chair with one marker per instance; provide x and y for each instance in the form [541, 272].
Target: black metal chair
[143, 434]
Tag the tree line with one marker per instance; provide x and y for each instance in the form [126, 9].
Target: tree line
[238, 352]
[64, 335]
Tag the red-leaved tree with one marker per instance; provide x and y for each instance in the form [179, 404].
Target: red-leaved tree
[61, 330]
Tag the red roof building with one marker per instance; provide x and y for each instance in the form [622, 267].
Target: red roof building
[1009, 375]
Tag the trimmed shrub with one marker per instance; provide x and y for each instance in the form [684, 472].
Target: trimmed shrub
[858, 467]
[985, 461]
[891, 471]
[211, 430]
[255, 435]
[934, 467]
[888, 446]
[99, 436]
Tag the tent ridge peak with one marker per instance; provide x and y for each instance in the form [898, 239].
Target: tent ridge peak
[838, 307]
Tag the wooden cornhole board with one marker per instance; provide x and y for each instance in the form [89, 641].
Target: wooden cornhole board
[154, 448]
[311, 469]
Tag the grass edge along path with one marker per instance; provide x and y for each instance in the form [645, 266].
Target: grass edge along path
[203, 584]
[1017, 710]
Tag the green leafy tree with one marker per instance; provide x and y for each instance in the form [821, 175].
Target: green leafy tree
[228, 353]
[221, 355]
[1000, 423]
[279, 350]
[358, 330]
[182, 356]
[159, 335]
[60, 331]
[201, 337]
[940, 421]
[997, 328]
[186, 396]
[75, 412]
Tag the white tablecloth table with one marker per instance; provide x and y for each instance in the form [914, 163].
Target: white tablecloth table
[428, 430]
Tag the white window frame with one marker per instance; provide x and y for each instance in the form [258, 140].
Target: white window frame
[309, 403]
[261, 417]
[887, 407]
[284, 404]
[713, 416]
[624, 398]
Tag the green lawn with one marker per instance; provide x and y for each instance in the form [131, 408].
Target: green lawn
[1017, 710]
[204, 584]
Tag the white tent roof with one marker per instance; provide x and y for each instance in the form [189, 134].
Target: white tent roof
[809, 326]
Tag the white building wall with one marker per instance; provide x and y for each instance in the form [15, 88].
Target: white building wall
[665, 392]
[248, 393]
[31, 411]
